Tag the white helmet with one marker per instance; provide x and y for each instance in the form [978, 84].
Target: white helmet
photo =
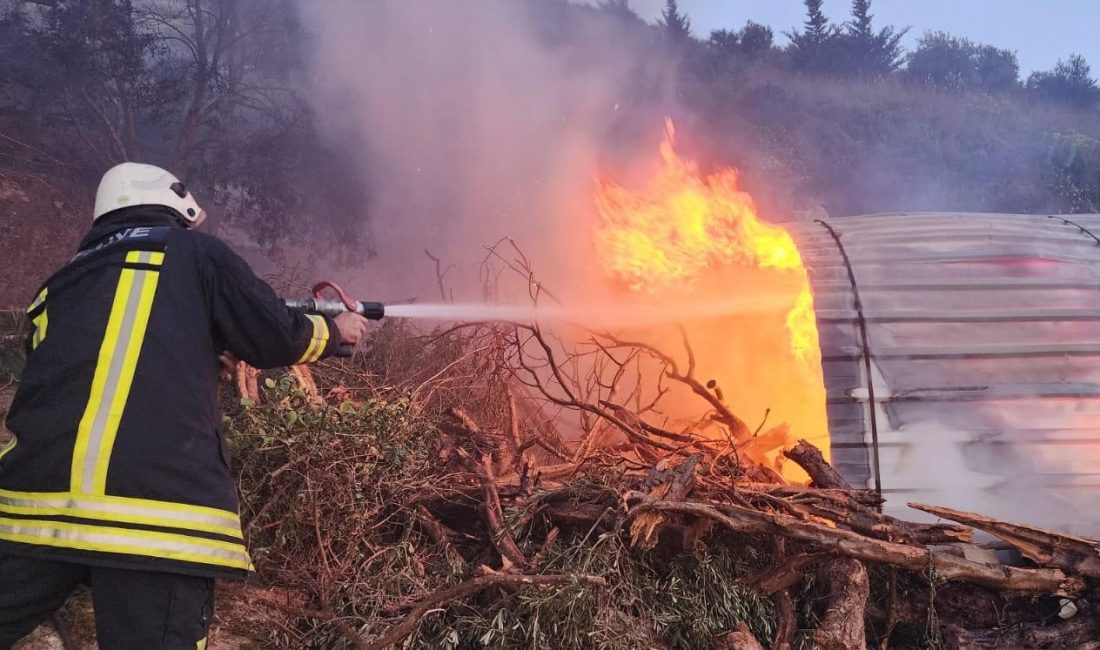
[130, 184]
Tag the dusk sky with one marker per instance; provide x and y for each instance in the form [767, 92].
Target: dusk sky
[1039, 31]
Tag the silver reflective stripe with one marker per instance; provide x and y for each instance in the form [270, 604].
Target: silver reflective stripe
[118, 509]
[126, 332]
[38, 300]
[118, 540]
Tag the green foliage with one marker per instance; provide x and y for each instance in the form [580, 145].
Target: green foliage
[676, 26]
[685, 600]
[326, 496]
[1070, 82]
[817, 46]
[952, 63]
[997, 69]
[1073, 171]
[205, 88]
[866, 51]
[752, 43]
[619, 9]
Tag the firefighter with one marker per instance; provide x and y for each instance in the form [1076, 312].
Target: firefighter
[118, 475]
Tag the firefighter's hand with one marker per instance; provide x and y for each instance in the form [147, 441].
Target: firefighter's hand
[229, 365]
[352, 327]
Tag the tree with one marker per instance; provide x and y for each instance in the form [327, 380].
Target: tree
[206, 88]
[998, 70]
[753, 42]
[756, 41]
[943, 61]
[1070, 82]
[619, 9]
[676, 25]
[725, 43]
[870, 52]
[815, 47]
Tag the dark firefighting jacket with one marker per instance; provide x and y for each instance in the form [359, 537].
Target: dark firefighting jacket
[118, 458]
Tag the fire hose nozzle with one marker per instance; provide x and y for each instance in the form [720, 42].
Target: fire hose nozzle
[371, 310]
[319, 305]
[368, 310]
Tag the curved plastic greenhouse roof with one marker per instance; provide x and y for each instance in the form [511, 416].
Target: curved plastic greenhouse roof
[972, 355]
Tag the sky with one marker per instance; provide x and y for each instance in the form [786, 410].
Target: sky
[1039, 31]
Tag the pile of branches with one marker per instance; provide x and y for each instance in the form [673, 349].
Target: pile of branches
[502, 486]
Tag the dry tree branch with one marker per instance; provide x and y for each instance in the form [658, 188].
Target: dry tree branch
[737, 426]
[947, 566]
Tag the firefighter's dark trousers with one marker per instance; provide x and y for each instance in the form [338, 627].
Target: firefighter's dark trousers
[133, 609]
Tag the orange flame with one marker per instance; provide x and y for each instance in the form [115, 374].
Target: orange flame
[689, 232]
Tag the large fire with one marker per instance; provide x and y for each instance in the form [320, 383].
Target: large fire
[692, 234]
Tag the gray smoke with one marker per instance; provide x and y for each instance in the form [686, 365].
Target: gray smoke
[472, 121]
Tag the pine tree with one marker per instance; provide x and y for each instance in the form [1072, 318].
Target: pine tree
[814, 48]
[676, 25]
[860, 26]
[867, 51]
[817, 24]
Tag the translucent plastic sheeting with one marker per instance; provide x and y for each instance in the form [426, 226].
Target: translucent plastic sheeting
[984, 341]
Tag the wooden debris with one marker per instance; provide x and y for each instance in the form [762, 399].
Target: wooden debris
[740, 638]
[821, 473]
[1081, 632]
[675, 484]
[849, 589]
[947, 566]
[1046, 548]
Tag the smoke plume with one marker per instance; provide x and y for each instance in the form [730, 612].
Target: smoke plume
[473, 121]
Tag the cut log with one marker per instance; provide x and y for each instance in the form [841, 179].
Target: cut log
[786, 624]
[863, 497]
[849, 589]
[740, 638]
[675, 484]
[863, 519]
[1075, 554]
[248, 382]
[821, 473]
[790, 571]
[854, 545]
[305, 381]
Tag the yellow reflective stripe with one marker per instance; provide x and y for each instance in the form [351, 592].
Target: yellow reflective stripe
[114, 374]
[122, 391]
[145, 257]
[99, 380]
[319, 340]
[122, 509]
[40, 325]
[200, 644]
[8, 447]
[227, 516]
[107, 539]
[39, 300]
[41, 321]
